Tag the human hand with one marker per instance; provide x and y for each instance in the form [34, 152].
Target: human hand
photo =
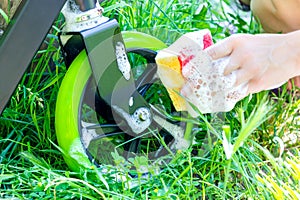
[185, 68]
[264, 61]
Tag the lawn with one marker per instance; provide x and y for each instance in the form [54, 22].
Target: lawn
[250, 152]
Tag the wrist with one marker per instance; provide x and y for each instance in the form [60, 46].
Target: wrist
[293, 48]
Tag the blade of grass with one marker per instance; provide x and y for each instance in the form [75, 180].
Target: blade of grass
[4, 15]
[260, 114]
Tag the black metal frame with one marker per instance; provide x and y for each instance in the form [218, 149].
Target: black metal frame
[21, 40]
[105, 69]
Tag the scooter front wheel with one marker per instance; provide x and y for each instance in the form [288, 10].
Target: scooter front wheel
[86, 128]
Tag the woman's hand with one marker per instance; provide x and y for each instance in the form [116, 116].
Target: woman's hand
[264, 61]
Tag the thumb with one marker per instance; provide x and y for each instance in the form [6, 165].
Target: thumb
[221, 49]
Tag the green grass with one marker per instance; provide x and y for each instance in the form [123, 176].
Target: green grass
[32, 167]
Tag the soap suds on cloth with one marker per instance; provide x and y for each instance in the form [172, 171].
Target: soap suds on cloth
[208, 89]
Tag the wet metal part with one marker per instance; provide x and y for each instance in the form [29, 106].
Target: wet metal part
[138, 121]
[176, 131]
[78, 20]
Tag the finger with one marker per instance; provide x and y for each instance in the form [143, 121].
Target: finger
[233, 64]
[220, 49]
[244, 89]
[297, 81]
[255, 86]
[242, 76]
